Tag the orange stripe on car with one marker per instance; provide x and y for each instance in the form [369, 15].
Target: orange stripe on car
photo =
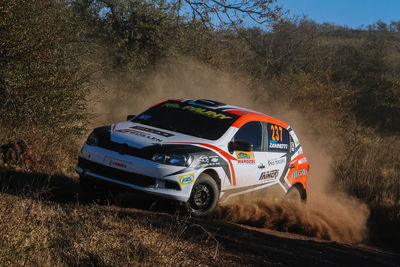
[240, 112]
[257, 117]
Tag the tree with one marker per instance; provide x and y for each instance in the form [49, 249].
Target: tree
[226, 13]
[134, 33]
[42, 72]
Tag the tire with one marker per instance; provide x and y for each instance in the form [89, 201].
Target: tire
[293, 195]
[204, 196]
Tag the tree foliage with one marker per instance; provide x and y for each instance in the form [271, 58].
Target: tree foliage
[41, 69]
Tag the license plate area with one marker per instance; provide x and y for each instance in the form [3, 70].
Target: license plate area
[116, 163]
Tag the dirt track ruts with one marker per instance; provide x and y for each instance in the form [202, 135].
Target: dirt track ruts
[244, 245]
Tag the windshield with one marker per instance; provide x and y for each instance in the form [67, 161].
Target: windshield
[187, 119]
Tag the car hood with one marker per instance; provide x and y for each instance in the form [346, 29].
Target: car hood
[139, 135]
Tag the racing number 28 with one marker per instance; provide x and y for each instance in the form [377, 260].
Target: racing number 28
[276, 133]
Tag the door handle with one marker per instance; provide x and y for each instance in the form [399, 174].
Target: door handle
[291, 166]
[261, 166]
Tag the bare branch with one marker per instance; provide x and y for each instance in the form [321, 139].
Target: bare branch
[235, 13]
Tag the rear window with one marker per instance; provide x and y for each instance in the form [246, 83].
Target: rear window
[187, 118]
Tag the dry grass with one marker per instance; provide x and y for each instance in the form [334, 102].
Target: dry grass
[38, 233]
[370, 168]
[38, 151]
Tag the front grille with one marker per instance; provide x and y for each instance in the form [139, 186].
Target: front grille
[126, 149]
[123, 176]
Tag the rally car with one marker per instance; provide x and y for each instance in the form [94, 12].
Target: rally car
[201, 152]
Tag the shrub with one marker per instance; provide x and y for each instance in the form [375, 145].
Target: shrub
[42, 67]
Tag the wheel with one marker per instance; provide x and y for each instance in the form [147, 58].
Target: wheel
[204, 196]
[293, 195]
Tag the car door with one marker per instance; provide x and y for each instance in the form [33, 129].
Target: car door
[277, 149]
[249, 164]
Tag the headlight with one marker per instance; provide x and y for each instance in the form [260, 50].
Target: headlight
[99, 136]
[173, 159]
[92, 140]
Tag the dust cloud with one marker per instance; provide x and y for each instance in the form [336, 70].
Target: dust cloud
[133, 93]
[329, 213]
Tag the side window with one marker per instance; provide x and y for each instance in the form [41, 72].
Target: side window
[250, 132]
[278, 138]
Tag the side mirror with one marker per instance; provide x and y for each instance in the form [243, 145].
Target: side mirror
[129, 117]
[240, 145]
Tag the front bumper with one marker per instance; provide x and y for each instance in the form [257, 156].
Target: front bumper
[141, 174]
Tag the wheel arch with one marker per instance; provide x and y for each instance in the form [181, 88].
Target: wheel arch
[303, 192]
[213, 173]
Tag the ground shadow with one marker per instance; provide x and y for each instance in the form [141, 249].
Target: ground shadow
[64, 189]
[40, 186]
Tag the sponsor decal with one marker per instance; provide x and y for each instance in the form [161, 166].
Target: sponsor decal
[279, 146]
[269, 175]
[301, 161]
[276, 161]
[299, 173]
[245, 157]
[198, 110]
[152, 131]
[141, 134]
[207, 161]
[186, 179]
[214, 159]
[171, 105]
[203, 159]
[115, 163]
[206, 112]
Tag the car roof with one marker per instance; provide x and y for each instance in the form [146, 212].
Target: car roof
[245, 115]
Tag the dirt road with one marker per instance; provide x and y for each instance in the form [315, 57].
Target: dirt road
[226, 243]
[245, 245]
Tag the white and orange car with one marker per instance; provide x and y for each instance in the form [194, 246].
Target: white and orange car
[200, 152]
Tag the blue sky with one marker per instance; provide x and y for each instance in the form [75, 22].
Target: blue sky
[352, 13]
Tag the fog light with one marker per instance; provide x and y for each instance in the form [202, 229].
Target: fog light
[160, 184]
